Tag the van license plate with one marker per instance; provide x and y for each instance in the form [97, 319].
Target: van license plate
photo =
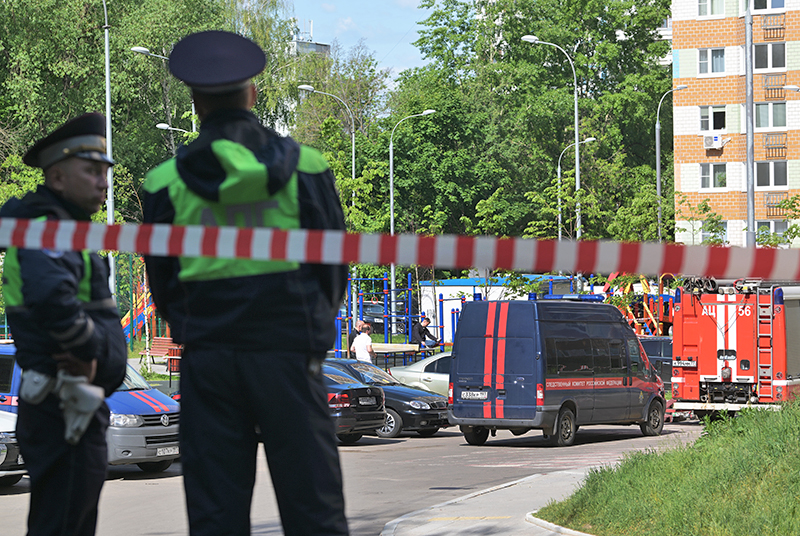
[167, 451]
[367, 400]
[474, 395]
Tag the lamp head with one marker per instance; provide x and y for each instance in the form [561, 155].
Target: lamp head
[141, 50]
[589, 139]
[428, 112]
[791, 88]
[680, 87]
[162, 126]
[530, 39]
[306, 87]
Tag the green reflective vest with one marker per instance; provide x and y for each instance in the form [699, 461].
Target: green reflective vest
[244, 201]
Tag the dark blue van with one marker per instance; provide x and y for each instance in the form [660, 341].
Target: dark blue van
[144, 421]
[552, 365]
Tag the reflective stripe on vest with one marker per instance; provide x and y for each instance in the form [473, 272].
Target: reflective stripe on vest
[12, 279]
[244, 201]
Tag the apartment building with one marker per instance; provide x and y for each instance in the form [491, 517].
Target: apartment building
[708, 41]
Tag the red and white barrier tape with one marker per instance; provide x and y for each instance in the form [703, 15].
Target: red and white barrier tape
[443, 251]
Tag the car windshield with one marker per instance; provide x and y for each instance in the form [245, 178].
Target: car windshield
[333, 375]
[651, 347]
[133, 381]
[372, 374]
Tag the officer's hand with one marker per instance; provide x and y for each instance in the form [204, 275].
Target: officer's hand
[76, 367]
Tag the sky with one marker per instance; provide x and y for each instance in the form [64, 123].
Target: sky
[388, 27]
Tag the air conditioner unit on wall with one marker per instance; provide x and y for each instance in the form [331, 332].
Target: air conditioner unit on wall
[712, 142]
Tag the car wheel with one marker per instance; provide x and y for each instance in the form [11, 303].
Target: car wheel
[475, 435]
[349, 439]
[8, 481]
[155, 467]
[428, 432]
[392, 425]
[565, 428]
[655, 419]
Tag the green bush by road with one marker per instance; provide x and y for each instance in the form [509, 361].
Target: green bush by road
[741, 477]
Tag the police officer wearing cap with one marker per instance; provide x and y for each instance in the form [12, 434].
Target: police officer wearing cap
[255, 332]
[67, 334]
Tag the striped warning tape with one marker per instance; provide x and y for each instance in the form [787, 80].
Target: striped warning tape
[443, 251]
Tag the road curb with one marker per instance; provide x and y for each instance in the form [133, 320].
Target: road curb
[558, 529]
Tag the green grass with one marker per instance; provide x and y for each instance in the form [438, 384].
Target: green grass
[741, 477]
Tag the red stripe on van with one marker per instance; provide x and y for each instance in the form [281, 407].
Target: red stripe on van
[488, 349]
[499, 409]
[146, 401]
[154, 401]
[487, 410]
[501, 347]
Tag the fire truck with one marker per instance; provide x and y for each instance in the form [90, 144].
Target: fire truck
[735, 345]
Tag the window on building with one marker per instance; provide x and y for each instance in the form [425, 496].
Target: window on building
[710, 7]
[768, 4]
[712, 118]
[713, 176]
[771, 174]
[770, 56]
[711, 60]
[770, 115]
[777, 227]
[709, 236]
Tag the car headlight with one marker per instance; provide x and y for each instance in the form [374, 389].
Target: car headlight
[419, 404]
[122, 420]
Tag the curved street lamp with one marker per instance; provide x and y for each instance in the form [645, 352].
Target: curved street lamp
[391, 203]
[146, 52]
[535, 40]
[658, 153]
[558, 169]
[164, 126]
[306, 87]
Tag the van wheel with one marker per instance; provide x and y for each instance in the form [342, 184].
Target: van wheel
[392, 425]
[475, 435]
[655, 419]
[155, 467]
[349, 439]
[565, 428]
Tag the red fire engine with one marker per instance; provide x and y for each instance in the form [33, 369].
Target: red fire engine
[735, 345]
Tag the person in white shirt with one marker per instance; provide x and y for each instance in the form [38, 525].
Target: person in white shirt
[362, 345]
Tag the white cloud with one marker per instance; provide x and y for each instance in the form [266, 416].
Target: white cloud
[329, 8]
[344, 25]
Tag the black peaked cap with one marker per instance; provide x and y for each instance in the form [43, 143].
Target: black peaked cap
[216, 61]
[81, 137]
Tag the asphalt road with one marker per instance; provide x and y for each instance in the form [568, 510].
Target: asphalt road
[384, 478]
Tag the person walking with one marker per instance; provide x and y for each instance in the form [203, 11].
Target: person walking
[248, 324]
[67, 333]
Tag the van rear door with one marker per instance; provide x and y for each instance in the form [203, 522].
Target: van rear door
[495, 361]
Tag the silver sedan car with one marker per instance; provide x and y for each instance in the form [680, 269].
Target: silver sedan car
[432, 373]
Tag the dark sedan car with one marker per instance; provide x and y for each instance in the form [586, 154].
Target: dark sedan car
[355, 408]
[659, 352]
[407, 408]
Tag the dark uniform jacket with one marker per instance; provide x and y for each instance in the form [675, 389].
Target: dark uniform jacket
[245, 304]
[420, 333]
[59, 301]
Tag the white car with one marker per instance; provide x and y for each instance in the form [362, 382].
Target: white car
[11, 466]
[432, 373]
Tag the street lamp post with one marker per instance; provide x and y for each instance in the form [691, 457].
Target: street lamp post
[164, 126]
[658, 153]
[146, 52]
[306, 87]
[391, 204]
[558, 170]
[535, 40]
[112, 280]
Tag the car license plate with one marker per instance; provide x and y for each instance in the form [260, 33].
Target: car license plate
[367, 400]
[167, 451]
[474, 395]
[443, 415]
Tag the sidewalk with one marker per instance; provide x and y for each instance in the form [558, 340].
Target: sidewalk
[499, 510]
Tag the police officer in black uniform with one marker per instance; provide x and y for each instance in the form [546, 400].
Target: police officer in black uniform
[67, 332]
[255, 332]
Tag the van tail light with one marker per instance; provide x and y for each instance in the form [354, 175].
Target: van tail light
[726, 373]
[539, 394]
[450, 394]
[341, 400]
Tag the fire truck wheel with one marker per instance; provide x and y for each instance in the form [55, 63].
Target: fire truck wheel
[655, 419]
[565, 428]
